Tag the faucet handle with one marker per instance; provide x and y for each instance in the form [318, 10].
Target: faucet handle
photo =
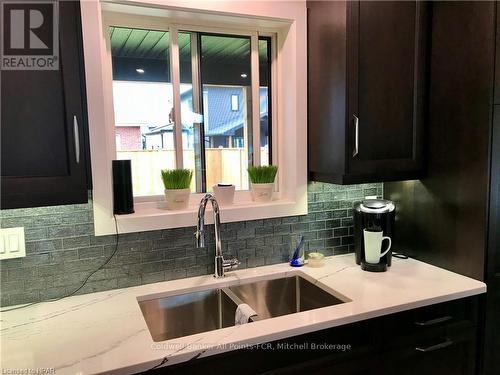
[200, 238]
[230, 264]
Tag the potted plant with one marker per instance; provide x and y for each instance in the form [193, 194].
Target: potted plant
[177, 191]
[262, 182]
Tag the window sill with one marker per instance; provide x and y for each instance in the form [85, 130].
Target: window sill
[148, 216]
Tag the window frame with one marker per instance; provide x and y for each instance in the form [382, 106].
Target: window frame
[291, 195]
[112, 19]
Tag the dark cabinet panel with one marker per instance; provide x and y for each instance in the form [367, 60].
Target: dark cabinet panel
[367, 83]
[32, 146]
[453, 354]
[492, 327]
[44, 140]
[497, 60]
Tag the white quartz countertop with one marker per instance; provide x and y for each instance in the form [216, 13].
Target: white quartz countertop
[105, 332]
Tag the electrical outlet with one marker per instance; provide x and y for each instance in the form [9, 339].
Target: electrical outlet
[12, 243]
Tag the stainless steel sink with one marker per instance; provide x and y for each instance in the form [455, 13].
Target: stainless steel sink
[187, 314]
[272, 298]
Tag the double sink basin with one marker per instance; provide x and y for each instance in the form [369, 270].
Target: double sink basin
[207, 310]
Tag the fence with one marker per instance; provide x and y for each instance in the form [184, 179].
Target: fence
[222, 165]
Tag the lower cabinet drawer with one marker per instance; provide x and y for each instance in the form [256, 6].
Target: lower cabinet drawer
[450, 354]
[430, 318]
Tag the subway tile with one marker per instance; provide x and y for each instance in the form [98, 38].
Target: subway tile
[12, 222]
[152, 256]
[339, 232]
[91, 252]
[175, 274]
[32, 234]
[63, 255]
[155, 277]
[33, 260]
[282, 229]
[61, 231]
[331, 242]
[185, 262]
[263, 231]
[290, 220]
[326, 233]
[300, 228]
[255, 241]
[76, 242]
[254, 224]
[245, 253]
[196, 271]
[52, 293]
[48, 245]
[21, 297]
[245, 233]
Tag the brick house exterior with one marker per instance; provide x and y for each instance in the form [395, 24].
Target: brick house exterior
[128, 138]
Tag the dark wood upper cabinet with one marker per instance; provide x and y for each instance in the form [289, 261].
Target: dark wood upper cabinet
[44, 140]
[497, 59]
[367, 75]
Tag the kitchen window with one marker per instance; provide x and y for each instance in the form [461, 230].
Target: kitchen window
[164, 80]
[187, 99]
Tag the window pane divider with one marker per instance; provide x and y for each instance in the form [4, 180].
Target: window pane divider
[197, 94]
[254, 60]
[175, 77]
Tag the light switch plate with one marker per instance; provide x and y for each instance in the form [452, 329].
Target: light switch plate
[12, 243]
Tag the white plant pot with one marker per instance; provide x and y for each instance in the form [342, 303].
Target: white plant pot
[262, 192]
[224, 194]
[177, 199]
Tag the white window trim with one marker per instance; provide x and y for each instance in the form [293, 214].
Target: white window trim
[286, 20]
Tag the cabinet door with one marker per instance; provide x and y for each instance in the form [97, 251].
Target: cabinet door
[497, 60]
[387, 43]
[442, 357]
[492, 326]
[43, 137]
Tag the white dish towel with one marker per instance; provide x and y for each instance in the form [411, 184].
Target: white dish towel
[243, 314]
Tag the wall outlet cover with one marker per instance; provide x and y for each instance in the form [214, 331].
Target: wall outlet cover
[12, 243]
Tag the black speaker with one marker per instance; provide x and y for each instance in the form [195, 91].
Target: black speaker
[123, 196]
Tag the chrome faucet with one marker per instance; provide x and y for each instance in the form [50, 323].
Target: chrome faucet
[221, 265]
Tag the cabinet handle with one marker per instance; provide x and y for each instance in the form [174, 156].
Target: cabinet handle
[432, 348]
[76, 136]
[434, 321]
[356, 135]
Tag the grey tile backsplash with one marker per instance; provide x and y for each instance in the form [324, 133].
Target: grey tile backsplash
[61, 249]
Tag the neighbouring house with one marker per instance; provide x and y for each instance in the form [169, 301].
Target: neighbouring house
[128, 137]
[140, 127]
[225, 115]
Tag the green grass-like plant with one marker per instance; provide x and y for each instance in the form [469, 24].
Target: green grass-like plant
[262, 175]
[176, 178]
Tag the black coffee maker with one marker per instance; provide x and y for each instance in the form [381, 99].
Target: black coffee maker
[373, 215]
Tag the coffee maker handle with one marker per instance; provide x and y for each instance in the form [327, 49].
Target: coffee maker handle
[388, 247]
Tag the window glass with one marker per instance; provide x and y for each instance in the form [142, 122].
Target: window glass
[265, 103]
[215, 114]
[143, 103]
[226, 77]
